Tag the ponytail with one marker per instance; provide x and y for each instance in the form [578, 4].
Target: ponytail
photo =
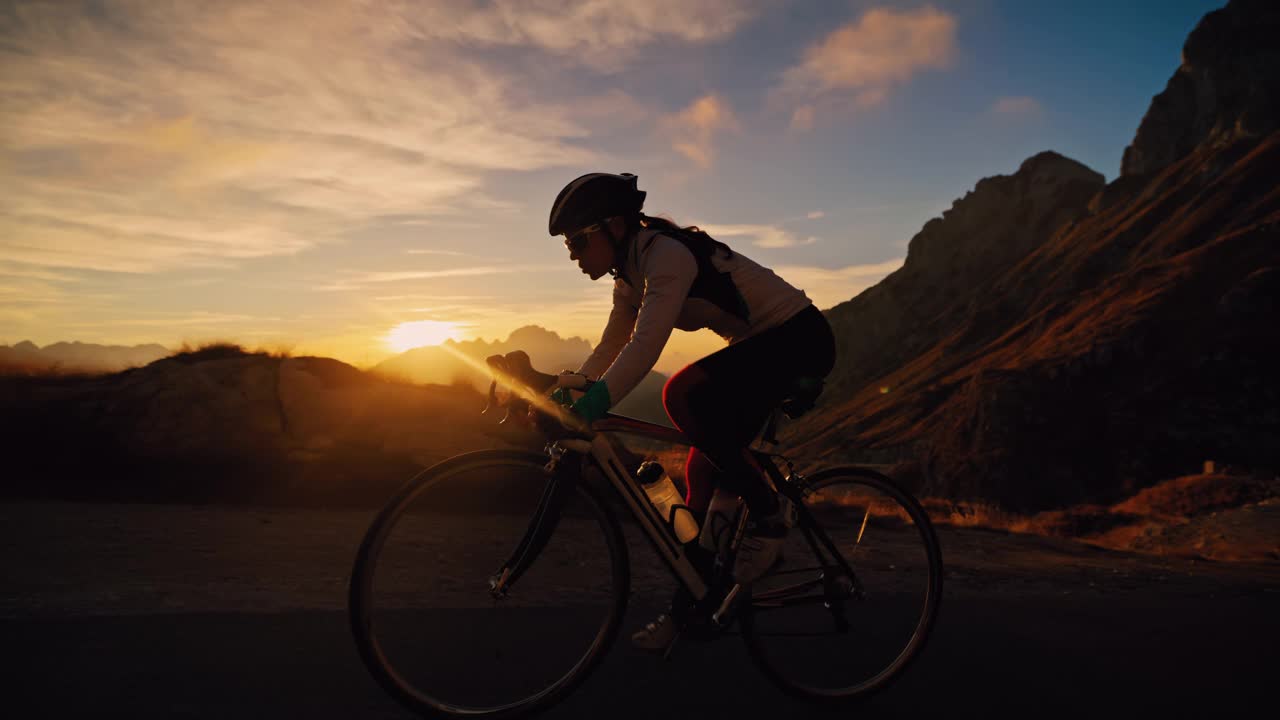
[697, 239]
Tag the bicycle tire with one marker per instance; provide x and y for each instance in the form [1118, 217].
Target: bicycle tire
[362, 594]
[781, 672]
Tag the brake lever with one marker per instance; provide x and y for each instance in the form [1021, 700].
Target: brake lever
[516, 366]
[492, 402]
[518, 412]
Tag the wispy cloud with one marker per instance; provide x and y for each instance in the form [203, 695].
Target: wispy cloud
[424, 251]
[13, 270]
[1020, 106]
[763, 236]
[693, 129]
[827, 287]
[816, 215]
[30, 291]
[857, 65]
[421, 297]
[601, 33]
[189, 134]
[187, 319]
[355, 281]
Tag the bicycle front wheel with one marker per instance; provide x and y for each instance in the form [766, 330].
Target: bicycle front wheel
[425, 619]
[855, 594]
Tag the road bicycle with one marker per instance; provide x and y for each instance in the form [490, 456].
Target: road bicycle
[494, 582]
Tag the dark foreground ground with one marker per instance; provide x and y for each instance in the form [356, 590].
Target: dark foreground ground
[161, 611]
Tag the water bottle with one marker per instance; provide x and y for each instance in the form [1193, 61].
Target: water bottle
[666, 498]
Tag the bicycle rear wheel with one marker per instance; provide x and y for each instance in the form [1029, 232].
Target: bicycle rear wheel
[849, 606]
[429, 628]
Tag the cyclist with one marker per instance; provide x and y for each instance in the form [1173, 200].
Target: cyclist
[667, 277]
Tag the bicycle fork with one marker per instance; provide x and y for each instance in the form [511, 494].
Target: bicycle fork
[564, 478]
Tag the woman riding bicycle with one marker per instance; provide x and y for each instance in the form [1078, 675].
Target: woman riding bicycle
[669, 277]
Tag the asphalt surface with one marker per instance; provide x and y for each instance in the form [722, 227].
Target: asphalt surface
[1031, 657]
[205, 612]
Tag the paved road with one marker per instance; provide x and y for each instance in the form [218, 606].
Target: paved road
[207, 612]
[1064, 655]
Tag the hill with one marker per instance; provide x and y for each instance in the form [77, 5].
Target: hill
[224, 424]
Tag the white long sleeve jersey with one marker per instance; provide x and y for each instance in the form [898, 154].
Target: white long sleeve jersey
[661, 272]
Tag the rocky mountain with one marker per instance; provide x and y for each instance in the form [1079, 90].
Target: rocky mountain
[1050, 341]
[951, 264]
[78, 356]
[223, 424]
[456, 361]
[1224, 90]
[462, 362]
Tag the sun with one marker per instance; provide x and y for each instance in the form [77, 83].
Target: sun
[417, 333]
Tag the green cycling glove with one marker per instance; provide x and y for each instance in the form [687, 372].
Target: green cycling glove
[594, 404]
[562, 397]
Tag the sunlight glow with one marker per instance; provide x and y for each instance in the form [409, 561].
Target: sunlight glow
[417, 333]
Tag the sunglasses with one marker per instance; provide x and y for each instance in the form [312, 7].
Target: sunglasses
[577, 240]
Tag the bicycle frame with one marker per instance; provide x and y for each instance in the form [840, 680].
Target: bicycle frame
[599, 448]
[654, 526]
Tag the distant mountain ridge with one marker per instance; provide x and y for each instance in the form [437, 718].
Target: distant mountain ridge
[1035, 354]
[79, 356]
[463, 362]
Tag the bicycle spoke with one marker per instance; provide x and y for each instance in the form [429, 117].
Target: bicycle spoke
[861, 615]
[461, 604]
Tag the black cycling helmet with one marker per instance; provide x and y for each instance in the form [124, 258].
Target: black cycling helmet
[592, 198]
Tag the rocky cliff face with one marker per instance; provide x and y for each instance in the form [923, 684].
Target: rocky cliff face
[1225, 90]
[1098, 345]
[951, 263]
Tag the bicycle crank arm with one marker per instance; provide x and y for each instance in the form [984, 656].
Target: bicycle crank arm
[728, 602]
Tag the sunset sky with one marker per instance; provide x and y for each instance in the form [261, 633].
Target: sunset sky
[314, 174]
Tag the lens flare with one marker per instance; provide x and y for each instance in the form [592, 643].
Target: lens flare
[419, 333]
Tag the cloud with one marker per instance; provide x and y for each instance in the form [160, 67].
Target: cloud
[357, 280]
[858, 64]
[418, 297]
[816, 215]
[116, 238]
[1020, 106]
[828, 287]
[600, 33]
[142, 137]
[12, 270]
[802, 118]
[421, 251]
[693, 129]
[187, 319]
[763, 236]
